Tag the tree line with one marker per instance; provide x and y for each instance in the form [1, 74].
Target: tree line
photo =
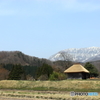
[44, 72]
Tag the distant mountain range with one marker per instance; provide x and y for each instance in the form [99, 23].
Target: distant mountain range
[79, 54]
[74, 54]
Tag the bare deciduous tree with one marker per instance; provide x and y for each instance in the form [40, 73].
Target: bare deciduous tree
[65, 56]
[65, 59]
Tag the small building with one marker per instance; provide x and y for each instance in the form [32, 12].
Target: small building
[77, 71]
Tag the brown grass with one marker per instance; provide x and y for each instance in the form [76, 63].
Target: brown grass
[28, 89]
[66, 85]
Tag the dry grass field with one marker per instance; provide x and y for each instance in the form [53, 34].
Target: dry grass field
[47, 90]
[65, 85]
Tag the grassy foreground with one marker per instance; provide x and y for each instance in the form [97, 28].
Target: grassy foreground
[51, 90]
[65, 85]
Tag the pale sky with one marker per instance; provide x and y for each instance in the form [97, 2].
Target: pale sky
[42, 28]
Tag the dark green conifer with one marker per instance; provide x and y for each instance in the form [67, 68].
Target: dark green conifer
[17, 73]
[45, 69]
[92, 69]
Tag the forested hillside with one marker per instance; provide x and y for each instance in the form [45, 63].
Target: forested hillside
[17, 57]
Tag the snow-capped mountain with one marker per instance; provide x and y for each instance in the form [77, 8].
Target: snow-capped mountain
[78, 54]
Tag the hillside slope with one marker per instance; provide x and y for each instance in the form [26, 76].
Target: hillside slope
[17, 57]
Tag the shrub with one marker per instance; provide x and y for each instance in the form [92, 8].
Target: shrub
[57, 76]
[43, 77]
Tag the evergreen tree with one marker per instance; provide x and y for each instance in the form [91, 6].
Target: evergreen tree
[92, 69]
[17, 73]
[45, 69]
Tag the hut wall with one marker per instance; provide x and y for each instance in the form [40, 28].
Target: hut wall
[85, 75]
[74, 75]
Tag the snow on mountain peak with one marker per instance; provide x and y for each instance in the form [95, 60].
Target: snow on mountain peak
[80, 54]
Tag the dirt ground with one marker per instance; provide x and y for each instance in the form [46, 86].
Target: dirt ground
[8, 94]
[9, 98]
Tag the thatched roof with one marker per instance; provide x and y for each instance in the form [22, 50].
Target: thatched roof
[76, 68]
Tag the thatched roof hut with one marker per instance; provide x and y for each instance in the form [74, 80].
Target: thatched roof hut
[77, 71]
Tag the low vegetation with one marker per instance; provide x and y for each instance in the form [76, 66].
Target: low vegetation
[57, 76]
[51, 90]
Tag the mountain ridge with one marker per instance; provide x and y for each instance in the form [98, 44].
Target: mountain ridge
[79, 54]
